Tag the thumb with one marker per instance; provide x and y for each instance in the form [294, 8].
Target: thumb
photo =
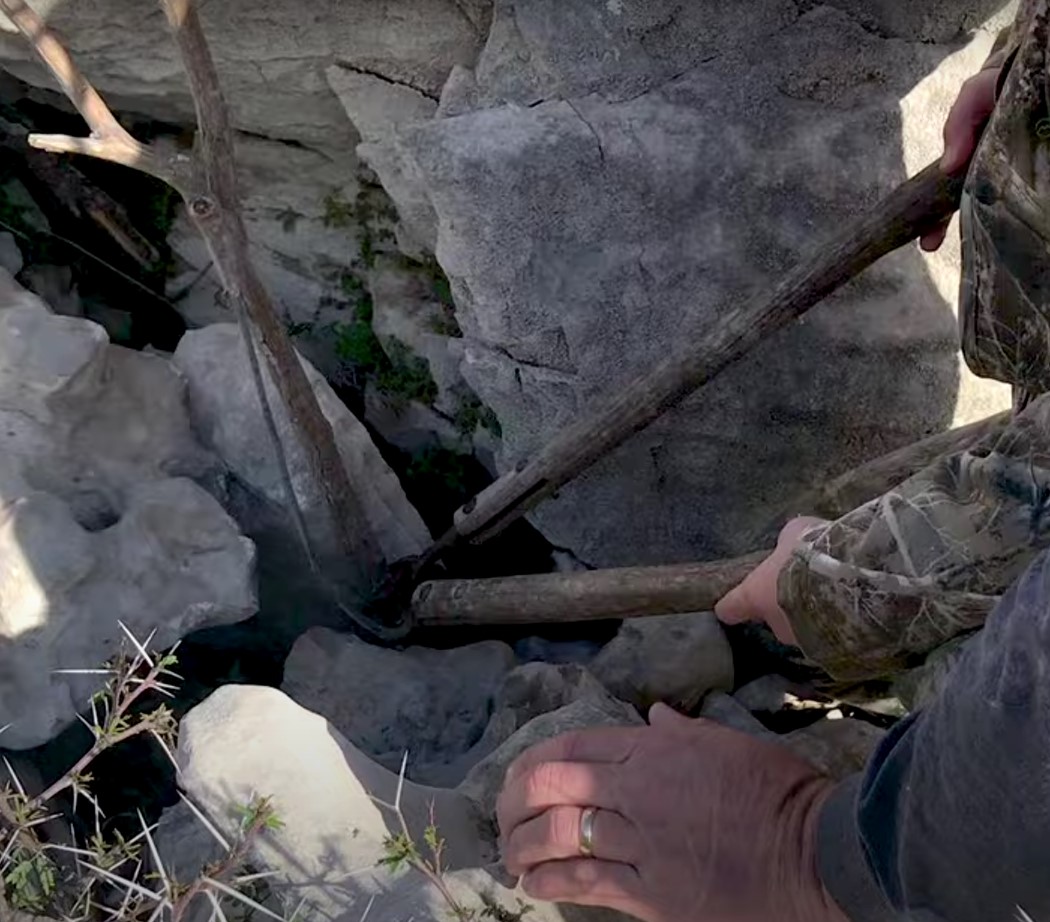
[666, 718]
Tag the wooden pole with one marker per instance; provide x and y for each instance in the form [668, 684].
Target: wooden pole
[636, 592]
[589, 595]
[913, 208]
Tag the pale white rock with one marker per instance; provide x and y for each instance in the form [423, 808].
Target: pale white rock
[432, 705]
[84, 420]
[245, 741]
[173, 563]
[227, 415]
[676, 659]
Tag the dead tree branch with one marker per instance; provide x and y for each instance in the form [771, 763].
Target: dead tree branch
[207, 181]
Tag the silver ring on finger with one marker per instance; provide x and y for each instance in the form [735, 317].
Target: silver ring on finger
[587, 832]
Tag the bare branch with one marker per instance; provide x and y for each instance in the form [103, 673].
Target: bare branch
[208, 183]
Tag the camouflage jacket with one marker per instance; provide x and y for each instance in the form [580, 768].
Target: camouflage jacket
[873, 593]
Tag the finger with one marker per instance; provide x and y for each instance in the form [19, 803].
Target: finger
[966, 120]
[585, 882]
[605, 744]
[666, 718]
[554, 835]
[556, 784]
[932, 241]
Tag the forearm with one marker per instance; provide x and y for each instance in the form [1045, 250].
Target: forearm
[950, 819]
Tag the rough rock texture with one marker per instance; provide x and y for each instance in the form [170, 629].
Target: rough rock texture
[174, 562]
[676, 659]
[538, 701]
[97, 523]
[229, 419]
[433, 705]
[599, 182]
[621, 173]
[245, 741]
[839, 748]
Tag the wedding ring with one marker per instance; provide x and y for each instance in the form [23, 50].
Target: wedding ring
[587, 832]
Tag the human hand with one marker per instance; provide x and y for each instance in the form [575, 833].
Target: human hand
[693, 822]
[962, 131]
[755, 599]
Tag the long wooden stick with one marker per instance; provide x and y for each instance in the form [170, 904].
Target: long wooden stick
[914, 207]
[636, 592]
[207, 181]
[589, 595]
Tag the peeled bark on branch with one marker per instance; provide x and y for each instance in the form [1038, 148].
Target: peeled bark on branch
[207, 181]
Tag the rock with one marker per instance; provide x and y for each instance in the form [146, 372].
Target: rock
[10, 254]
[433, 705]
[227, 415]
[614, 186]
[766, 693]
[729, 712]
[537, 702]
[839, 748]
[270, 56]
[97, 523]
[244, 742]
[174, 562]
[676, 659]
[14, 295]
[377, 108]
[84, 420]
[55, 285]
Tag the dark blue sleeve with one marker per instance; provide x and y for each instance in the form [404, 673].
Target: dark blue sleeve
[951, 818]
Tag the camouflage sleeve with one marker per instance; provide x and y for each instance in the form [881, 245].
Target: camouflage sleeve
[871, 593]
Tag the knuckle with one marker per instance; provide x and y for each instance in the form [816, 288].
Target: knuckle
[563, 828]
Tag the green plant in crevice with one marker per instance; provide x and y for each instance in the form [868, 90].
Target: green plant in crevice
[401, 852]
[472, 414]
[440, 471]
[406, 376]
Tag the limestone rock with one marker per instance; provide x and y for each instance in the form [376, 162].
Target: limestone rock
[245, 741]
[10, 254]
[538, 702]
[270, 56]
[14, 295]
[729, 712]
[615, 187]
[766, 693]
[839, 748]
[174, 562]
[227, 415]
[97, 523]
[676, 659]
[433, 705]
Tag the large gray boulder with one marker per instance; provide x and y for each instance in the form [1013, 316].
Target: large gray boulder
[631, 170]
[431, 705]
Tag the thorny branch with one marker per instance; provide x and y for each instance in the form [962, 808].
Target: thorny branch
[207, 181]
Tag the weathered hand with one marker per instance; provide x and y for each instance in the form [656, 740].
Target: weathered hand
[694, 823]
[962, 131]
[755, 599]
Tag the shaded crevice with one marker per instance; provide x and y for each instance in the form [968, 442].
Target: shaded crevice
[393, 81]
